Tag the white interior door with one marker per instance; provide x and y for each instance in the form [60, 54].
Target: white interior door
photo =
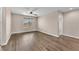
[61, 24]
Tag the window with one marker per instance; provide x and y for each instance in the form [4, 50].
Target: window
[27, 22]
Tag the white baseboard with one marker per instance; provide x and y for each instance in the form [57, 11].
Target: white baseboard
[22, 31]
[50, 34]
[71, 36]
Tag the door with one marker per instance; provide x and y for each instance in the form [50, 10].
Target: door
[61, 24]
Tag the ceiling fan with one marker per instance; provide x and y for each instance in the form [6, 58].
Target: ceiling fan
[32, 12]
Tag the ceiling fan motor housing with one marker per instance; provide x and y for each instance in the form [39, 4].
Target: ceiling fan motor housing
[31, 12]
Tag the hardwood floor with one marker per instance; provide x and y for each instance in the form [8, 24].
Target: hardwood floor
[37, 41]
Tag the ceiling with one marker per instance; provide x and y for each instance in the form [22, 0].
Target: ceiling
[40, 11]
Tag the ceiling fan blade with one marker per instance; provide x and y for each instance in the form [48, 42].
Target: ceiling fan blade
[34, 10]
[36, 15]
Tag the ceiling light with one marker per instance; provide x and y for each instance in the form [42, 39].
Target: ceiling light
[70, 8]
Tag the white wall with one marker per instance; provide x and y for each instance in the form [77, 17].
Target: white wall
[49, 23]
[3, 26]
[6, 25]
[71, 24]
[18, 26]
[0, 24]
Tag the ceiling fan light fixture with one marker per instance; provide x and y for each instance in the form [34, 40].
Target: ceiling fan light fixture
[70, 8]
[31, 12]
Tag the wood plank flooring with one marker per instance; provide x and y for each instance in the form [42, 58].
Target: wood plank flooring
[37, 41]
